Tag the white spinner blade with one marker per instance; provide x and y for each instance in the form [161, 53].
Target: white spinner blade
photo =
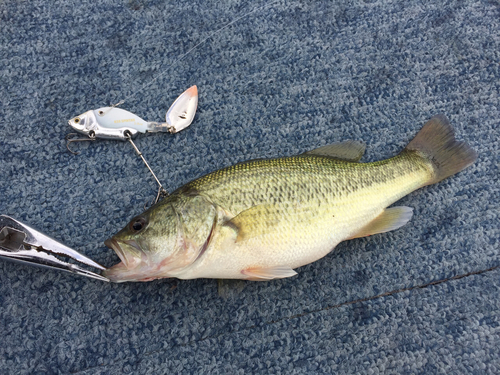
[181, 112]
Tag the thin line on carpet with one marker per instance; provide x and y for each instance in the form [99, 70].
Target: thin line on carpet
[397, 291]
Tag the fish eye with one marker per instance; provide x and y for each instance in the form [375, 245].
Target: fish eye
[138, 224]
[76, 120]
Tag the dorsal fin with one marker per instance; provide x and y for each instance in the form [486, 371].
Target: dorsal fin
[348, 150]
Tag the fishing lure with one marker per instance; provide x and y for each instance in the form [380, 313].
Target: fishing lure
[115, 123]
[119, 124]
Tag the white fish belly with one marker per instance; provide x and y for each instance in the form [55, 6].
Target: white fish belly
[289, 245]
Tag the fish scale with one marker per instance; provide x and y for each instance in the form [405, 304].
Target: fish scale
[310, 229]
[320, 179]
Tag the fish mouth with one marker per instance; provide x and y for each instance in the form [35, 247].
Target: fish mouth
[134, 265]
[128, 252]
[129, 269]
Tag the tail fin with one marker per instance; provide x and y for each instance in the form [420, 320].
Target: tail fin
[436, 141]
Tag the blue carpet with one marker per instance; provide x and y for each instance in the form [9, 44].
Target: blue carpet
[288, 78]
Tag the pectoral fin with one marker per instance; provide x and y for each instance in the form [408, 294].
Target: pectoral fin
[391, 219]
[348, 150]
[256, 221]
[264, 274]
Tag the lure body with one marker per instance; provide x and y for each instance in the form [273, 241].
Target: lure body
[119, 124]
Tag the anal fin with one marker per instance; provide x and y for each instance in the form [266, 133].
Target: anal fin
[391, 219]
[265, 274]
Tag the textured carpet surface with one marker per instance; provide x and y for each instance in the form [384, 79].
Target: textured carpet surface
[289, 77]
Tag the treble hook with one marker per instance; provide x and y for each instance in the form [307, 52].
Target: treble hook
[68, 137]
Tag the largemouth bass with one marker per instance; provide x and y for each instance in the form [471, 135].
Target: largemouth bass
[261, 219]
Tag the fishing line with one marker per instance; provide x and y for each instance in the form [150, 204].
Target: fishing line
[213, 34]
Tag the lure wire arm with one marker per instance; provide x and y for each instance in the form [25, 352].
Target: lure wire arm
[70, 139]
[162, 192]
